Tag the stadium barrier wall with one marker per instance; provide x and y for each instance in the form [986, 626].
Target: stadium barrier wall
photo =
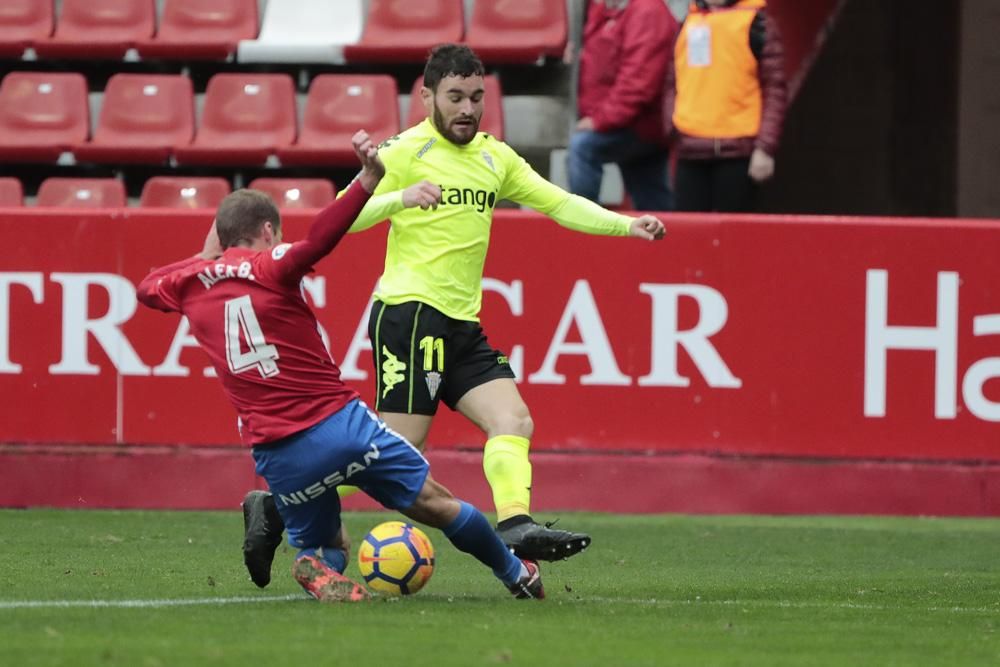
[745, 364]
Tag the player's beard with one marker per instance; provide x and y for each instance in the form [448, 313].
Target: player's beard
[449, 134]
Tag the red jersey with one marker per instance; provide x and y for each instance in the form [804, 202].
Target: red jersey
[247, 310]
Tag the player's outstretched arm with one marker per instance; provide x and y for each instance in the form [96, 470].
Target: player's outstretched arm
[333, 221]
[647, 227]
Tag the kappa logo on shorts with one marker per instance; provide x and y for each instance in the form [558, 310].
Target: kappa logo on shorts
[392, 371]
[433, 382]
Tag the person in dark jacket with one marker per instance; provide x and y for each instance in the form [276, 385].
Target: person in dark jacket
[725, 104]
[626, 48]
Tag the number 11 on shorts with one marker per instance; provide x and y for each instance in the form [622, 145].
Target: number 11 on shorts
[430, 346]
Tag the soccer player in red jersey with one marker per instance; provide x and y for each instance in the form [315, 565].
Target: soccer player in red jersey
[309, 432]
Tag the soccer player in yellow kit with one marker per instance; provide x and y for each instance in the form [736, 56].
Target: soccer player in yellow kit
[427, 341]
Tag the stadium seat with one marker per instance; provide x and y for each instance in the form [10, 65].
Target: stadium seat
[183, 192]
[143, 118]
[11, 192]
[525, 31]
[42, 115]
[406, 31]
[305, 31]
[99, 28]
[245, 120]
[22, 23]
[296, 192]
[202, 29]
[492, 120]
[82, 193]
[339, 105]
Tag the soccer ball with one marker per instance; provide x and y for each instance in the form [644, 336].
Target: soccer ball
[396, 558]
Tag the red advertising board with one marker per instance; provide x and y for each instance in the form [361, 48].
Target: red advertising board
[809, 338]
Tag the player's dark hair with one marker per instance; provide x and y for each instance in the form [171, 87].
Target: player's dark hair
[451, 60]
[241, 216]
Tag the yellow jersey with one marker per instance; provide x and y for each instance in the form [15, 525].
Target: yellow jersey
[437, 256]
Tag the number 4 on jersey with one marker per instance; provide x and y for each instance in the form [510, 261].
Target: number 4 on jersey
[241, 319]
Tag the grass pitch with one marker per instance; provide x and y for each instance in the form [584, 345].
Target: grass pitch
[168, 588]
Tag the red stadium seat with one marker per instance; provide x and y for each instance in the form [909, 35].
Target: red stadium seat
[99, 28]
[525, 31]
[42, 115]
[22, 23]
[338, 106]
[492, 120]
[183, 192]
[406, 31]
[82, 193]
[11, 192]
[143, 118]
[202, 29]
[246, 119]
[296, 192]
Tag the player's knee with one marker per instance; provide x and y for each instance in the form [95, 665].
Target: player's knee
[516, 422]
[435, 505]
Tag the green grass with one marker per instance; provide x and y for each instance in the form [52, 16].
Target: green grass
[653, 590]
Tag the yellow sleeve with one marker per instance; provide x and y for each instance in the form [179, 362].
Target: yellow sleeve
[583, 215]
[378, 209]
[523, 185]
[387, 200]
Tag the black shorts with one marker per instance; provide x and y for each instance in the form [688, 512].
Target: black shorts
[422, 356]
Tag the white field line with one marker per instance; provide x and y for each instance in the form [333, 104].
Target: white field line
[140, 604]
[651, 602]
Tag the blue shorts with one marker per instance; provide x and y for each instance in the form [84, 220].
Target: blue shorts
[352, 446]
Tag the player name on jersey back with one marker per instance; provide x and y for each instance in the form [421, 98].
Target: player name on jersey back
[213, 273]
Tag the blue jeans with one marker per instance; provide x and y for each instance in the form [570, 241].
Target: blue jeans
[643, 166]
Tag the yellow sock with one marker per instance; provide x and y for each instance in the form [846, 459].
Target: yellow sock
[505, 462]
[343, 490]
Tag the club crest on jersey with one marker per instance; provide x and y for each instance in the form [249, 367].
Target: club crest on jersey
[433, 383]
[279, 251]
[489, 160]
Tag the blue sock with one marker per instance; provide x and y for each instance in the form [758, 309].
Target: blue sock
[472, 533]
[335, 558]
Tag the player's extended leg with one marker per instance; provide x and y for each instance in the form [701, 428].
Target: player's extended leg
[497, 408]
[470, 532]
[398, 476]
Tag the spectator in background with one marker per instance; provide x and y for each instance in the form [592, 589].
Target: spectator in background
[726, 100]
[626, 48]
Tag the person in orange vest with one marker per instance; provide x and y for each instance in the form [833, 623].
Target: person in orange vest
[725, 104]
